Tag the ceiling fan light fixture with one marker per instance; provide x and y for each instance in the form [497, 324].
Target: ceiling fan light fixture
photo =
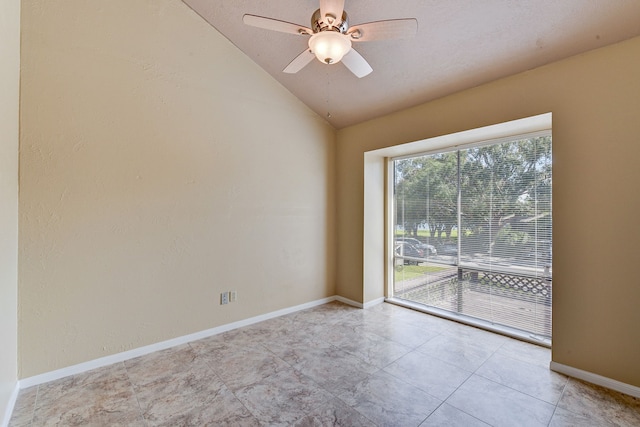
[329, 46]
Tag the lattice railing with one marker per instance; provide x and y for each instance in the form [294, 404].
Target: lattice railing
[506, 284]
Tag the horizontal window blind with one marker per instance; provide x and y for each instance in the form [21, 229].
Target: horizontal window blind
[483, 217]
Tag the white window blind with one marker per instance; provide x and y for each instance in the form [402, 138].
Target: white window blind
[487, 213]
[505, 208]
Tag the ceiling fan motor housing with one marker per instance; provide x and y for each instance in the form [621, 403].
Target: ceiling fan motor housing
[329, 23]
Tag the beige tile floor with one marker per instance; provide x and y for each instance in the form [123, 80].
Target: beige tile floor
[332, 365]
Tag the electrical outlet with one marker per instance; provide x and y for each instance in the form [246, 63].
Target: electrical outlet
[224, 298]
[233, 296]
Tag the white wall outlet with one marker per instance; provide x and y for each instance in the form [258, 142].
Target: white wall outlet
[233, 296]
[224, 298]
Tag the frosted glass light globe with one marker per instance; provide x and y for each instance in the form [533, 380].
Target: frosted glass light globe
[329, 46]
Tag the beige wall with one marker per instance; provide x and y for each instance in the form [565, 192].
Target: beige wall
[9, 102]
[159, 167]
[595, 101]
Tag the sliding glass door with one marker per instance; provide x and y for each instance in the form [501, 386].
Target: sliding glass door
[473, 232]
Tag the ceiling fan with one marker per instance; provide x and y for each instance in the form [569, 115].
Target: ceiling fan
[330, 36]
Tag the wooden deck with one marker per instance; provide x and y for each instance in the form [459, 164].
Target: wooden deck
[521, 310]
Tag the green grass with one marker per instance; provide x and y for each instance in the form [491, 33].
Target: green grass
[407, 272]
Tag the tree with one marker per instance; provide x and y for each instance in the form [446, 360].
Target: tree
[426, 193]
[505, 192]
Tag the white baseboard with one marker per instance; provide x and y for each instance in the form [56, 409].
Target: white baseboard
[359, 304]
[374, 302]
[595, 379]
[349, 301]
[10, 405]
[141, 351]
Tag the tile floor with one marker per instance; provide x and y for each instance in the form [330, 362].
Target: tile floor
[332, 365]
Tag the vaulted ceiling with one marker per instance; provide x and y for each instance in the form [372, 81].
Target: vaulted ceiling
[459, 44]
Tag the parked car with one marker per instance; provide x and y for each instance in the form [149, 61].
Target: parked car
[405, 249]
[429, 250]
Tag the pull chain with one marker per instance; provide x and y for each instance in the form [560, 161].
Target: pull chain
[328, 94]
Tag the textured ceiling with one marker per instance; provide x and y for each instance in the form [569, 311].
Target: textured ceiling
[459, 44]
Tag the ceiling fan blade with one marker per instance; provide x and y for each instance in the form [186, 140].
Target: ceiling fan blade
[384, 30]
[356, 64]
[275, 25]
[299, 62]
[334, 8]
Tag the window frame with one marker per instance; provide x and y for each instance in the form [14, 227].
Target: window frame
[541, 131]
